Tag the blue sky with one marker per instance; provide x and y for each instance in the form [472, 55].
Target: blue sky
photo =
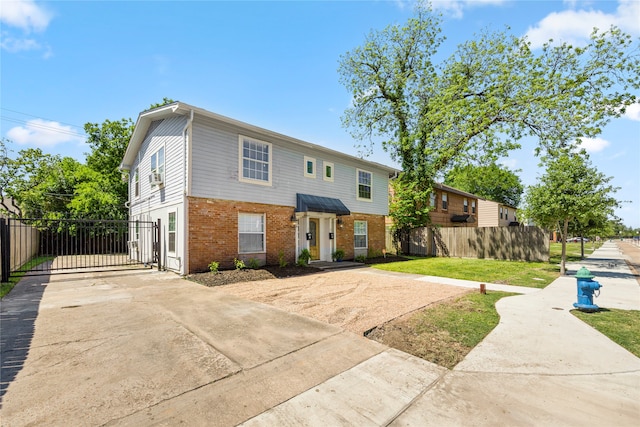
[271, 64]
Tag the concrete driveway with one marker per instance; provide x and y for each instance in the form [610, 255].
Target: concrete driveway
[147, 348]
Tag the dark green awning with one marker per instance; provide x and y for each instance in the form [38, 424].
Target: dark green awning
[309, 203]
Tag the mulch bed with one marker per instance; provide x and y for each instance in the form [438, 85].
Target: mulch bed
[227, 277]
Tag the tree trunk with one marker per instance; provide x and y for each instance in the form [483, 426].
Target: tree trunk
[563, 258]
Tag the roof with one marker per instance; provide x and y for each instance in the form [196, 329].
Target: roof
[309, 203]
[179, 108]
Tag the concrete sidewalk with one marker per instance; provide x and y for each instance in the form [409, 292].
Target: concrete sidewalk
[147, 348]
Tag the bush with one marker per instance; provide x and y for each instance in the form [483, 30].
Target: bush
[213, 266]
[281, 261]
[361, 258]
[253, 263]
[304, 257]
[338, 255]
[240, 265]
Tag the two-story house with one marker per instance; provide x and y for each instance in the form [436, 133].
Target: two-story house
[224, 189]
[451, 207]
[494, 214]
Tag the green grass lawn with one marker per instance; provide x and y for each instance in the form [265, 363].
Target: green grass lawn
[621, 326]
[5, 287]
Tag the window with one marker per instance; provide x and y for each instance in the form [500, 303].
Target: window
[157, 162]
[250, 233]
[328, 171]
[473, 206]
[136, 183]
[255, 161]
[432, 200]
[506, 213]
[444, 201]
[501, 212]
[137, 230]
[360, 234]
[172, 232]
[364, 185]
[465, 206]
[309, 167]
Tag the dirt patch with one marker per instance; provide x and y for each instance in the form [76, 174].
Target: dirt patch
[355, 299]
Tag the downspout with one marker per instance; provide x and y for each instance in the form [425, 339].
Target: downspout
[185, 192]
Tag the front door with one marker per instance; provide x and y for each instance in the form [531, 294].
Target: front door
[314, 242]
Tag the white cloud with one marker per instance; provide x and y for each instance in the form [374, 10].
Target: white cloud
[27, 16]
[575, 26]
[633, 112]
[43, 133]
[510, 163]
[24, 14]
[594, 145]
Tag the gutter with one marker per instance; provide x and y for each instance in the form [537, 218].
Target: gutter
[186, 131]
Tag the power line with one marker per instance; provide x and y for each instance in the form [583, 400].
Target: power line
[41, 118]
[45, 127]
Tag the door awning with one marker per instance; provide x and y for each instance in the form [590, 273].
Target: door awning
[462, 218]
[309, 203]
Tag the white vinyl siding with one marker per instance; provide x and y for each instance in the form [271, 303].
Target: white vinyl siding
[365, 182]
[360, 234]
[255, 161]
[251, 233]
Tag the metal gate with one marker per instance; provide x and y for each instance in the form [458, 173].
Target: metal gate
[45, 246]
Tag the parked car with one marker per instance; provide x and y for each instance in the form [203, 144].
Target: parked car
[577, 239]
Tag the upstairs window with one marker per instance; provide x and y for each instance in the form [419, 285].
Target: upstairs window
[157, 163]
[501, 213]
[465, 205]
[328, 171]
[432, 200]
[364, 185]
[309, 167]
[473, 206]
[136, 183]
[444, 201]
[506, 213]
[255, 161]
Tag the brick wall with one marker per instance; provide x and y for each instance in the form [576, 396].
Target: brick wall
[213, 232]
[375, 228]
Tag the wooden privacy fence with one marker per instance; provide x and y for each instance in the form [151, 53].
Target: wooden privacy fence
[506, 243]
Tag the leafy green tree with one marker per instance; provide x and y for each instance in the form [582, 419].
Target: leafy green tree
[165, 101]
[491, 182]
[108, 142]
[493, 91]
[571, 190]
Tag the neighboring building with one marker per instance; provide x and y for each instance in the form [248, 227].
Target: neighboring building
[224, 189]
[494, 214]
[452, 207]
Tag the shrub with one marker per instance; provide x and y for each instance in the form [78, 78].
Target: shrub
[281, 261]
[213, 266]
[304, 257]
[240, 265]
[253, 263]
[338, 255]
[361, 258]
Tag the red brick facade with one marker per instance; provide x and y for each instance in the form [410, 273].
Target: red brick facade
[213, 233]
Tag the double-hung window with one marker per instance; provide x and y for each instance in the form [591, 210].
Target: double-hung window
[251, 236]
[444, 201]
[432, 199]
[172, 232]
[136, 183]
[157, 162]
[365, 182]
[360, 234]
[255, 161]
[473, 206]
[465, 206]
[501, 212]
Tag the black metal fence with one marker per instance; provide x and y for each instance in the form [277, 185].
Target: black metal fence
[45, 245]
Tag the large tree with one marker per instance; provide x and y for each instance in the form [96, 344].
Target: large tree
[493, 91]
[491, 181]
[570, 191]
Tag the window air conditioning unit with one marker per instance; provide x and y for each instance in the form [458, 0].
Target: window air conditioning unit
[155, 179]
